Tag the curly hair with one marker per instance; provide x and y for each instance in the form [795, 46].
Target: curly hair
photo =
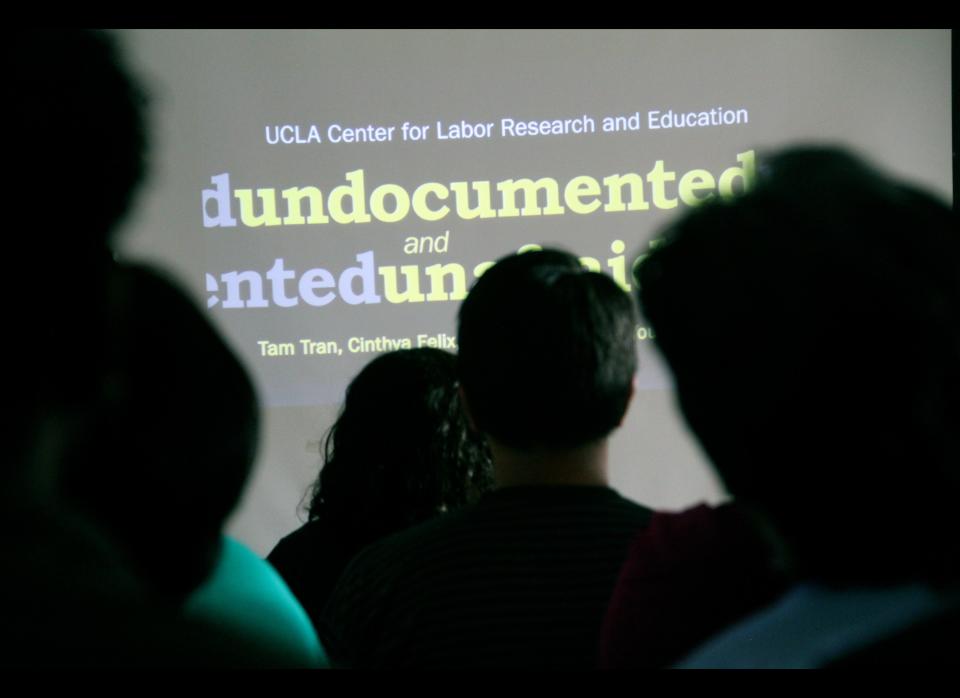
[401, 450]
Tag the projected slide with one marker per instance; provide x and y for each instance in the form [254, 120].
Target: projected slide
[332, 195]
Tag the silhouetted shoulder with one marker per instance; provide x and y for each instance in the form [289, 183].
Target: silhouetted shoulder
[521, 579]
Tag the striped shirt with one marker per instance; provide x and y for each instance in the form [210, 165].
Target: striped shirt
[520, 580]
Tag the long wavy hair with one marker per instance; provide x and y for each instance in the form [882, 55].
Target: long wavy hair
[401, 450]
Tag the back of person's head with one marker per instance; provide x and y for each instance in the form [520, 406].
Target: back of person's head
[813, 328]
[547, 352]
[172, 438]
[401, 450]
[76, 166]
[79, 173]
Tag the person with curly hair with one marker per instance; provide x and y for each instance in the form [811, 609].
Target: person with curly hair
[401, 452]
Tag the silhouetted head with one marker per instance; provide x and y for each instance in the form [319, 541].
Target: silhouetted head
[401, 451]
[547, 351]
[128, 406]
[813, 329]
[81, 138]
[170, 441]
[77, 157]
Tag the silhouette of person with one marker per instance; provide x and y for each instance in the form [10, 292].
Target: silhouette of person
[401, 452]
[521, 579]
[134, 423]
[813, 329]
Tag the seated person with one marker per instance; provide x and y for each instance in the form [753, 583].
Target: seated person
[688, 575]
[399, 453]
[134, 424]
[812, 325]
[161, 466]
[546, 362]
[168, 447]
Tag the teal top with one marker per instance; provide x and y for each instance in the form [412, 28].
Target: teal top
[248, 599]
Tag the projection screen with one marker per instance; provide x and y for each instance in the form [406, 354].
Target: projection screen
[329, 195]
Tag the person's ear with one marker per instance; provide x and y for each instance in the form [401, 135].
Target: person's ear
[465, 405]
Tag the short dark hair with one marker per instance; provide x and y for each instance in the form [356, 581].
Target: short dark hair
[813, 329]
[77, 80]
[547, 351]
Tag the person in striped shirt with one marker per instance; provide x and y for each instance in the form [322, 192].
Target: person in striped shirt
[522, 578]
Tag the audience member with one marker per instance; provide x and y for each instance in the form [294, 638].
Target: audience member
[813, 329]
[75, 178]
[135, 424]
[400, 453]
[521, 579]
[687, 575]
[168, 447]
